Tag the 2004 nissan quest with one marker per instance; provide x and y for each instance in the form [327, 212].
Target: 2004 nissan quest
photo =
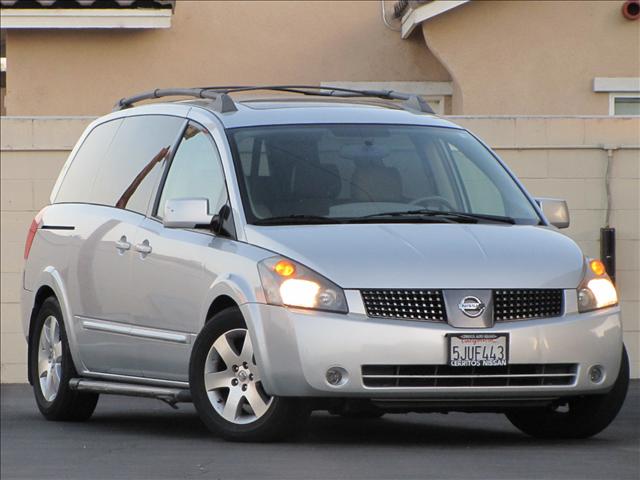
[264, 257]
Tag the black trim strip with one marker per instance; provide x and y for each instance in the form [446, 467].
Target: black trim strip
[57, 227]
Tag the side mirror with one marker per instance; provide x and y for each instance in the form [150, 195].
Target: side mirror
[187, 213]
[555, 211]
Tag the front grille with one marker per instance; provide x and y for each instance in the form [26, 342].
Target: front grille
[521, 304]
[515, 375]
[428, 305]
[412, 304]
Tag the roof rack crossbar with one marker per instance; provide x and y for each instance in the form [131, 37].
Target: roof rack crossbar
[222, 102]
[309, 89]
[411, 101]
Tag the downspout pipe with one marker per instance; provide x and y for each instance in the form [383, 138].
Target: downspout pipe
[607, 233]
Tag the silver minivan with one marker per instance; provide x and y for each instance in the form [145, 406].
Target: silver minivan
[312, 249]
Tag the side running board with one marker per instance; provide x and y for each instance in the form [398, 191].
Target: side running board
[165, 394]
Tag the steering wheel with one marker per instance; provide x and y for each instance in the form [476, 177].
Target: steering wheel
[425, 201]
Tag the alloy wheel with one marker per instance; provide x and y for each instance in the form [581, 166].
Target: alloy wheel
[232, 381]
[50, 358]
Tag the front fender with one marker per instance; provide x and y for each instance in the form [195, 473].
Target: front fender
[234, 287]
[243, 294]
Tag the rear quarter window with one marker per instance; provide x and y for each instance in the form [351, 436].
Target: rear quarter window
[78, 182]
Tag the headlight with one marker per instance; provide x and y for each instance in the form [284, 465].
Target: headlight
[596, 290]
[289, 283]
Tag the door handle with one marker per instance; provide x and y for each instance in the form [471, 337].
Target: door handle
[122, 245]
[144, 248]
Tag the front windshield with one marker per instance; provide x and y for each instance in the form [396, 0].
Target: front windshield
[355, 172]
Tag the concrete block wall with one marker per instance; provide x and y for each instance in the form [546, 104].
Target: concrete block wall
[32, 152]
[566, 157]
[554, 156]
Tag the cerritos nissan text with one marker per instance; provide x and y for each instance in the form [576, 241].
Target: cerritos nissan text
[345, 250]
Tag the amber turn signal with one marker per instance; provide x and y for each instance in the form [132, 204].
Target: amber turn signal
[597, 267]
[284, 268]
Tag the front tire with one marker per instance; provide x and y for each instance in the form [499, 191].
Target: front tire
[226, 387]
[586, 416]
[51, 368]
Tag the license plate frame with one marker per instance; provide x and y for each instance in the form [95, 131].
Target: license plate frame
[484, 341]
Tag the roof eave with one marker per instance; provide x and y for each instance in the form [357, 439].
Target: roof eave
[92, 18]
[416, 16]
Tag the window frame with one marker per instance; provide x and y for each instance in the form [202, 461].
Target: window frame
[244, 195]
[153, 210]
[612, 102]
[160, 182]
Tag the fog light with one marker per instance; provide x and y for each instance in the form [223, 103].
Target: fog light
[596, 374]
[336, 376]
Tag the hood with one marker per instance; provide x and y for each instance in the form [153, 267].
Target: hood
[429, 255]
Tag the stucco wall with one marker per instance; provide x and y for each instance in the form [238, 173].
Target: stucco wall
[210, 43]
[509, 58]
[534, 58]
[565, 161]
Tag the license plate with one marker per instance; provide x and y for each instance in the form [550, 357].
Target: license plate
[478, 349]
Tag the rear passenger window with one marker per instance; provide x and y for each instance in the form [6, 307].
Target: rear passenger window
[78, 182]
[134, 162]
[195, 171]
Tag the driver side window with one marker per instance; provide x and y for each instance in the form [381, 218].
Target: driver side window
[195, 171]
[483, 195]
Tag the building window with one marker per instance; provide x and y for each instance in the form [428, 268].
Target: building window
[624, 94]
[624, 104]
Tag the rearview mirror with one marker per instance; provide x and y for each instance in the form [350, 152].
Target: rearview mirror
[187, 213]
[555, 211]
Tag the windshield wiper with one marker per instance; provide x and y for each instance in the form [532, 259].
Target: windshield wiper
[297, 219]
[424, 212]
[485, 216]
[421, 215]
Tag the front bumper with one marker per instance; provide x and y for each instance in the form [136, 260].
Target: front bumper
[295, 347]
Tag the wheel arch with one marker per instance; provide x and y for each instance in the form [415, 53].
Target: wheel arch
[44, 292]
[235, 291]
[225, 292]
[219, 304]
[50, 284]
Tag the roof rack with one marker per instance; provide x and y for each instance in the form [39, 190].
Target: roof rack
[224, 103]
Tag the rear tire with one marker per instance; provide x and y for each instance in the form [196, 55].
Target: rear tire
[586, 416]
[226, 387]
[51, 367]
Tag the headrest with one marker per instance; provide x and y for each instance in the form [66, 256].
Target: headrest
[376, 182]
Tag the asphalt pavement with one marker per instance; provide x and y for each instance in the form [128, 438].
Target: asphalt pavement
[140, 438]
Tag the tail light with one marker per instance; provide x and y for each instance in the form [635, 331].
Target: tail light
[31, 235]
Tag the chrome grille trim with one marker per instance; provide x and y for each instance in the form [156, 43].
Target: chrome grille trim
[432, 376]
[411, 304]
